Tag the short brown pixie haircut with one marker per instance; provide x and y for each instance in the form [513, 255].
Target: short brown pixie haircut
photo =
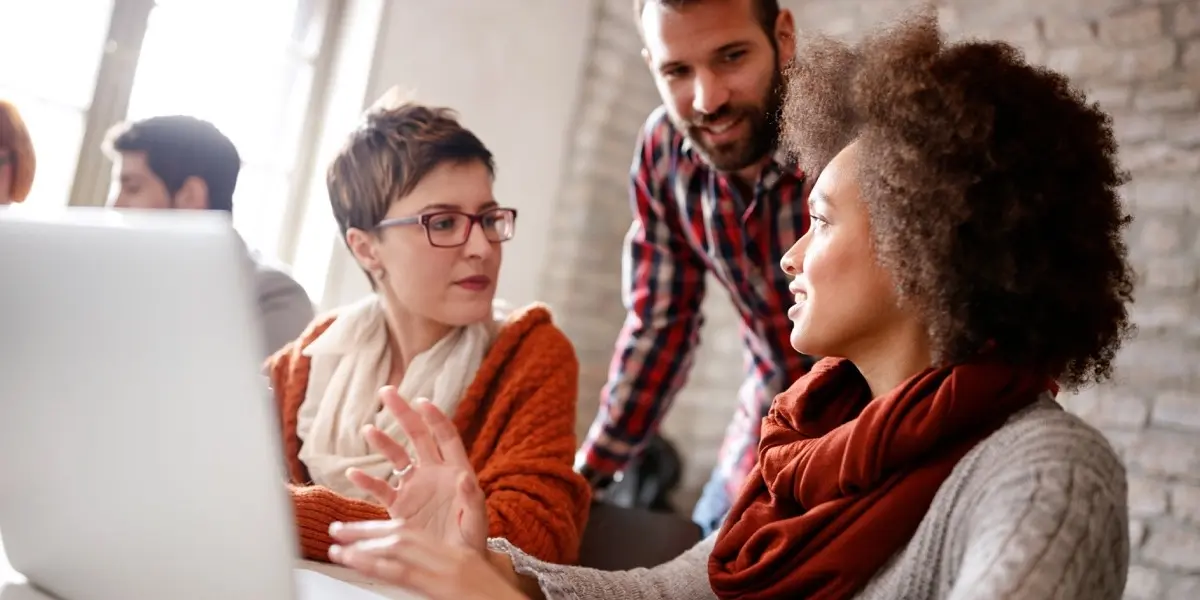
[992, 190]
[396, 146]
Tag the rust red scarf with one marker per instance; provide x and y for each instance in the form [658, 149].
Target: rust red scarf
[842, 482]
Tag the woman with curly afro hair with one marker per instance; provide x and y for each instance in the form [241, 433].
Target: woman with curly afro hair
[965, 261]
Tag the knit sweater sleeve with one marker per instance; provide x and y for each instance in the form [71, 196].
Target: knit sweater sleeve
[316, 508]
[535, 499]
[684, 578]
[1053, 523]
[288, 371]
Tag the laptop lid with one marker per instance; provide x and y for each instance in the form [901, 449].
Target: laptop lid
[138, 449]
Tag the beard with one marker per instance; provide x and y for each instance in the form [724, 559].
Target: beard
[761, 140]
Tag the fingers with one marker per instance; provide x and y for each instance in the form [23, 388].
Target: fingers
[348, 533]
[414, 426]
[445, 434]
[383, 564]
[381, 490]
[409, 548]
[408, 560]
[385, 445]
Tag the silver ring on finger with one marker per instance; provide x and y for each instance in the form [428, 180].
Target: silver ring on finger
[400, 473]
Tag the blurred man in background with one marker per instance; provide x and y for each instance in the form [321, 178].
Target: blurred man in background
[179, 162]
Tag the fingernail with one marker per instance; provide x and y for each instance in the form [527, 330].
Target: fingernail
[335, 552]
[335, 527]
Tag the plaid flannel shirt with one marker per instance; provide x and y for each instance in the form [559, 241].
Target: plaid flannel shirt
[690, 220]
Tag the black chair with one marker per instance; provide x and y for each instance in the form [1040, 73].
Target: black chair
[619, 538]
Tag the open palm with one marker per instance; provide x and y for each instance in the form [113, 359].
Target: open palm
[437, 492]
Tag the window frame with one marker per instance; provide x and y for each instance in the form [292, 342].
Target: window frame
[114, 86]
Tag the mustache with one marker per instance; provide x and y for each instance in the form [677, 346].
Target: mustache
[721, 113]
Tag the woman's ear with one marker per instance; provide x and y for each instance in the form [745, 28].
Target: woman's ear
[362, 247]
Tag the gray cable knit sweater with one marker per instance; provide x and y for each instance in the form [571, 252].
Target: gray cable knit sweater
[1037, 510]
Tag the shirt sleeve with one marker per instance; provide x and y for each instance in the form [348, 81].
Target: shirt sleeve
[663, 284]
[285, 308]
[683, 578]
[1054, 524]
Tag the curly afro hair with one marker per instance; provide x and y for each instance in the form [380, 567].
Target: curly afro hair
[992, 190]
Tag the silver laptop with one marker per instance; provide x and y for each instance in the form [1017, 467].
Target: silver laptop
[138, 449]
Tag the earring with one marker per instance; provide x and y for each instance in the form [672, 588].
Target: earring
[380, 274]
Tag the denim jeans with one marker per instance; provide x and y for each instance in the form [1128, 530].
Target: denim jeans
[713, 505]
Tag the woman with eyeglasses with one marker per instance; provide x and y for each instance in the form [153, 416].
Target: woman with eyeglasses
[17, 161]
[411, 190]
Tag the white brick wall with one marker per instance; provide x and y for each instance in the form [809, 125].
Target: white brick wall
[1139, 58]
[583, 279]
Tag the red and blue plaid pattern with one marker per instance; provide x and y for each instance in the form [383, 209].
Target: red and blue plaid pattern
[690, 220]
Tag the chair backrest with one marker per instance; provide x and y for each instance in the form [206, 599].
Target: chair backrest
[649, 479]
[619, 538]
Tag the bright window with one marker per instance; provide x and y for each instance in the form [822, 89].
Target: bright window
[249, 67]
[49, 73]
[253, 83]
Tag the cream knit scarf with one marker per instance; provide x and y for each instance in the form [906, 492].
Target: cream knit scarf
[350, 361]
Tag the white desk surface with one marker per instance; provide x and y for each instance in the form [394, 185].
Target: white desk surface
[13, 586]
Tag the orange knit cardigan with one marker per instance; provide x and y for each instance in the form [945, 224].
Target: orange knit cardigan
[517, 420]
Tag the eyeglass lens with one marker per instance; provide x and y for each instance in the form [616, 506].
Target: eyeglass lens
[452, 229]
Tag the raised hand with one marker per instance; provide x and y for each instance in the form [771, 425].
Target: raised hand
[436, 493]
